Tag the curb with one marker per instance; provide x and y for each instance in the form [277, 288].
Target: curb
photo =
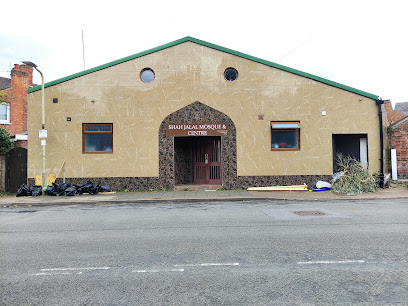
[181, 200]
[139, 201]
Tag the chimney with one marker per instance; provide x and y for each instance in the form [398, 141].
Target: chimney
[21, 80]
[22, 76]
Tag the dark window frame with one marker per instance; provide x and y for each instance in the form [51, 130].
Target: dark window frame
[85, 132]
[276, 128]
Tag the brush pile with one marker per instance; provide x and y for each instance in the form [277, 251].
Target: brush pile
[355, 178]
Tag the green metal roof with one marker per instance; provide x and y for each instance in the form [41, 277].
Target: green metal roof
[213, 46]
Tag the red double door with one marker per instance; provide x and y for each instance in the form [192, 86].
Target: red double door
[207, 161]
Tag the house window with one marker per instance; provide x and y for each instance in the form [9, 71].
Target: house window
[4, 113]
[230, 74]
[97, 138]
[147, 75]
[285, 136]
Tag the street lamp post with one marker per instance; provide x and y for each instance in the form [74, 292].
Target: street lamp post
[43, 132]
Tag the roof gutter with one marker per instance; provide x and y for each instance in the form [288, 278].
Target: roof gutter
[380, 117]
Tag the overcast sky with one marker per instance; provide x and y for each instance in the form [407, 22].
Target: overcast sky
[359, 43]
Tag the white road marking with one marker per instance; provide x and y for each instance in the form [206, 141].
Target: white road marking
[210, 264]
[177, 268]
[156, 271]
[330, 262]
[56, 273]
[145, 271]
[76, 269]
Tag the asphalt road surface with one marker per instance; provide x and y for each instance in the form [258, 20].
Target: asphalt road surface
[223, 253]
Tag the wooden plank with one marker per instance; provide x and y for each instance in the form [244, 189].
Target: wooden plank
[280, 188]
[62, 166]
[109, 192]
[50, 179]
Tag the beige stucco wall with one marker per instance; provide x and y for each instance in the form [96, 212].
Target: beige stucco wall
[184, 74]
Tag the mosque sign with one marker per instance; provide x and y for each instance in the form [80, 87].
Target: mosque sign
[210, 129]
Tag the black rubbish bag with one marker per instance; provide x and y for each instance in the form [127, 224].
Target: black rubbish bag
[64, 186]
[90, 188]
[70, 191]
[63, 189]
[23, 191]
[50, 190]
[36, 190]
[60, 188]
[104, 188]
[80, 188]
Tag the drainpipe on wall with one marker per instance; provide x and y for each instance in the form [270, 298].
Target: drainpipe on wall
[380, 116]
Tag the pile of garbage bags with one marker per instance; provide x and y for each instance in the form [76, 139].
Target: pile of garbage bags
[24, 190]
[63, 189]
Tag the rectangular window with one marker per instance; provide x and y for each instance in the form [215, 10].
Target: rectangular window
[4, 113]
[97, 138]
[285, 136]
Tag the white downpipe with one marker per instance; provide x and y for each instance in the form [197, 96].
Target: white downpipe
[394, 164]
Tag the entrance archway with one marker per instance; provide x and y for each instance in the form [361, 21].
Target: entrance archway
[172, 148]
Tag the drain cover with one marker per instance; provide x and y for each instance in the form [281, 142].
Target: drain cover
[309, 213]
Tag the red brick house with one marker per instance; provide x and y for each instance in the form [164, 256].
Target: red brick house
[13, 118]
[398, 135]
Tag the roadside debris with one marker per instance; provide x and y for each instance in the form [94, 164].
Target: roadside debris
[24, 190]
[63, 189]
[322, 186]
[321, 189]
[354, 178]
[336, 176]
[280, 188]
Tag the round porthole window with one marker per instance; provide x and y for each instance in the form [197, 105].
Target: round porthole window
[147, 75]
[230, 74]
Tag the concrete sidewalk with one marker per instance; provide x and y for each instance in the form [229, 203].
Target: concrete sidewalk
[198, 196]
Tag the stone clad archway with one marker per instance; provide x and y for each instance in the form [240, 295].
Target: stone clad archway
[197, 113]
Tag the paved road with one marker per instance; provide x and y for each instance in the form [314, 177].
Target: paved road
[230, 253]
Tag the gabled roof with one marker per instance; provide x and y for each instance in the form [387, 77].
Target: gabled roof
[5, 83]
[216, 47]
[402, 107]
[399, 122]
